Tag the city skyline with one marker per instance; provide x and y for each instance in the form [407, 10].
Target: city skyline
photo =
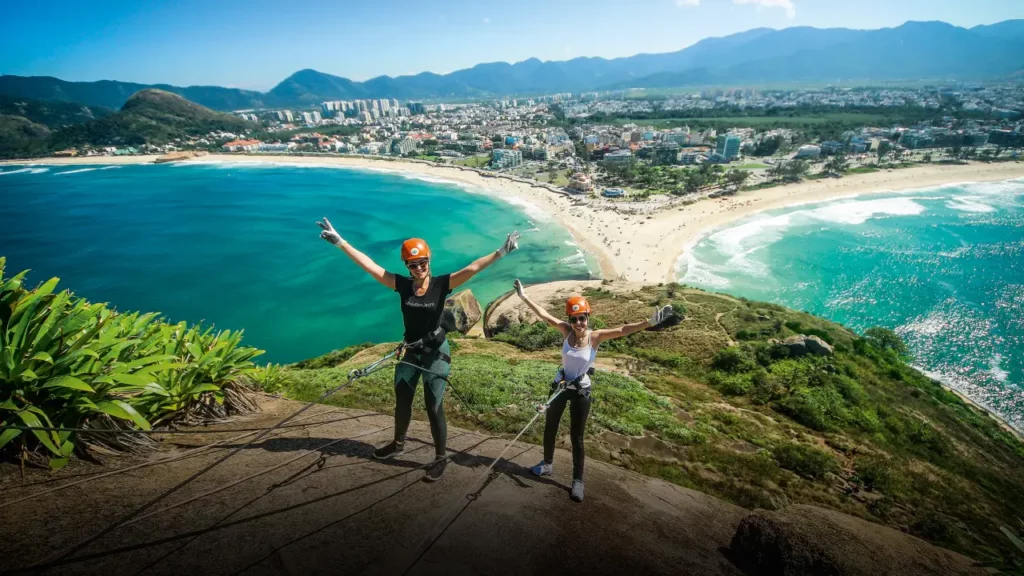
[256, 45]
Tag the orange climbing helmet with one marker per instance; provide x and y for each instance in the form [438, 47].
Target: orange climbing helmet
[577, 305]
[414, 249]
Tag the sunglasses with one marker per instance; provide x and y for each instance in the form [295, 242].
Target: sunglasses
[418, 264]
[581, 319]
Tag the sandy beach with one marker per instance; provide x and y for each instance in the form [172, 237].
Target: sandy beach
[639, 248]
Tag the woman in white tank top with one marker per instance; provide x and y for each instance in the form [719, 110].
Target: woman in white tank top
[579, 350]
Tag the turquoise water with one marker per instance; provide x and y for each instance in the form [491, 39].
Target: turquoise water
[237, 245]
[943, 267]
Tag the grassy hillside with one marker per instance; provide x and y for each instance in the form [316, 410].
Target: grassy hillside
[51, 114]
[713, 404]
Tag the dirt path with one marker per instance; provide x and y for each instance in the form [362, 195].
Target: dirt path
[718, 320]
[340, 511]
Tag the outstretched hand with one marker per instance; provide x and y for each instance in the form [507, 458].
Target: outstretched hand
[329, 233]
[660, 315]
[511, 243]
[519, 288]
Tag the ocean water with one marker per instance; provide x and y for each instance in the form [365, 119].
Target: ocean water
[944, 267]
[237, 245]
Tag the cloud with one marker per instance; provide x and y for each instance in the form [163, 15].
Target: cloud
[687, 2]
[787, 4]
[487, 20]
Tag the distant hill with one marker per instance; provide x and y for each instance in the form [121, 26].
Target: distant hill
[912, 51]
[21, 137]
[150, 116]
[113, 94]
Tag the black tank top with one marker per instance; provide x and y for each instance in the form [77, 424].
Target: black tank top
[421, 314]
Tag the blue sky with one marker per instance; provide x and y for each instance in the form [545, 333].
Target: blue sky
[255, 44]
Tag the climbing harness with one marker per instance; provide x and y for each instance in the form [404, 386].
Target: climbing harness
[352, 377]
[574, 385]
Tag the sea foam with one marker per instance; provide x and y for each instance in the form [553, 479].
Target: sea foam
[74, 171]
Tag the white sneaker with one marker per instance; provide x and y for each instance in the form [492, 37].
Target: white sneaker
[577, 491]
[542, 469]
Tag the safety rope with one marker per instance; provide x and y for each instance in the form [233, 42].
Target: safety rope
[256, 474]
[352, 377]
[167, 460]
[471, 496]
[319, 466]
[153, 432]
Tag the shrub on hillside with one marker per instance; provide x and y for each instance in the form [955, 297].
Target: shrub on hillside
[805, 460]
[733, 360]
[885, 339]
[801, 329]
[880, 474]
[271, 378]
[536, 336]
[817, 408]
[730, 384]
[764, 389]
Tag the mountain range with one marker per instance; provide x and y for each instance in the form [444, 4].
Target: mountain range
[912, 51]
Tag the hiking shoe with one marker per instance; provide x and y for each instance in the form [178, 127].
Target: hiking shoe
[542, 469]
[577, 491]
[437, 470]
[389, 451]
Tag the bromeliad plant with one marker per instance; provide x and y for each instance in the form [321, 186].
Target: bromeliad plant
[64, 360]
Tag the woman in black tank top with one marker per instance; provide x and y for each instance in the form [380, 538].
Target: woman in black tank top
[422, 301]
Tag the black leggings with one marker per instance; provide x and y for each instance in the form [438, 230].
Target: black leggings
[579, 409]
[406, 379]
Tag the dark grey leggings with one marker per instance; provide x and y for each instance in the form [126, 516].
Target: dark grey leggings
[406, 379]
[579, 409]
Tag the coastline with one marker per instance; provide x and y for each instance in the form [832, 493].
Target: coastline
[634, 247]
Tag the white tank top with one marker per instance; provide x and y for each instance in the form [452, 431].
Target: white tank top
[576, 361]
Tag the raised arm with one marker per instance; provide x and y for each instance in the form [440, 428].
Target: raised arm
[659, 316]
[462, 276]
[362, 260]
[543, 314]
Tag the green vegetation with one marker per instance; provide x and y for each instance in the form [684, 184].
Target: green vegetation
[1013, 562]
[474, 161]
[672, 179]
[816, 122]
[789, 171]
[66, 362]
[805, 461]
[281, 135]
[862, 170]
[536, 336]
[751, 166]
